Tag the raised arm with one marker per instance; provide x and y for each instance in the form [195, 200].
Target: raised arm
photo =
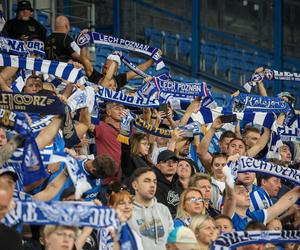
[52, 188]
[284, 203]
[144, 66]
[260, 85]
[84, 59]
[229, 202]
[193, 107]
[47, 135]
[202, 148]
[261, 143]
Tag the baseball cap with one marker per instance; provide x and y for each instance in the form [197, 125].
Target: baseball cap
[24, 5]
[166, 155]
[183, 238]
[10, 171]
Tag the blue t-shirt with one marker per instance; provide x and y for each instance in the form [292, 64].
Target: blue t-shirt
[240, 223]
[260, 200]
[180, 222]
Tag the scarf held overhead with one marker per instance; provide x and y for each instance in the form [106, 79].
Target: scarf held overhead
[270, 74]
[98, 38]
[17, 47]
[63, 70]
[33, 103]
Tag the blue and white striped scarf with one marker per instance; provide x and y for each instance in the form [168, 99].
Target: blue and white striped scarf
[237, 239]
[206, 116]
[21, 48]
[76, 214]
[98, 38]
[63, 70]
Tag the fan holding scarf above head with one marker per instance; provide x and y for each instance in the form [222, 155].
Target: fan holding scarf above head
[109, 77]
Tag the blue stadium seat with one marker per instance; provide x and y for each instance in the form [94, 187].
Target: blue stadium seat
[156, 38]
[171, 45]
[184, 49]
[42, 18]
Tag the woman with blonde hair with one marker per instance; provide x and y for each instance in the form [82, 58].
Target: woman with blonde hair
[191, 203]
[205, 230]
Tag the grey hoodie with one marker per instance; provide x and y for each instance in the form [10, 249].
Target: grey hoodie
[153, 224]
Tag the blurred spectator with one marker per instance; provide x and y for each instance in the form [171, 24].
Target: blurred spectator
[182, 238]
[9, 239]
[205, 230]
[24, 26]
[224, 224]
[59, 237]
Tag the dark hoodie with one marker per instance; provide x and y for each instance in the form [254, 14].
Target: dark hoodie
[168, 193]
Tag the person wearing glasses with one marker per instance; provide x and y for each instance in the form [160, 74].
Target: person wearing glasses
[59, 237]
[169, 188]
[191, 204]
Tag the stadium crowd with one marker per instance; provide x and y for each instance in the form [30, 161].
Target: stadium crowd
[168, 192]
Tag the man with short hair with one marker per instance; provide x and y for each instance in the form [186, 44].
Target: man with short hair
[106, 134]
[59, 45]
[150, 219]
[250, 136]
[168, 185]
[24, 25]
[270, 186]
[223, 224]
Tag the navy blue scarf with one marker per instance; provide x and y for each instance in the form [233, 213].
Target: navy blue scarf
[32, 103]
[256, 103]
[98, 38]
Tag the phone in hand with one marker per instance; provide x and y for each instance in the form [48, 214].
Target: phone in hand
[228, 118]
[163, 107]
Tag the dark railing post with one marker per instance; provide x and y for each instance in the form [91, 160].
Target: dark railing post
[116, 17]
[278, 43]
[195, 36]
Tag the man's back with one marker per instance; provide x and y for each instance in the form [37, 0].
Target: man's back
[58, 46]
